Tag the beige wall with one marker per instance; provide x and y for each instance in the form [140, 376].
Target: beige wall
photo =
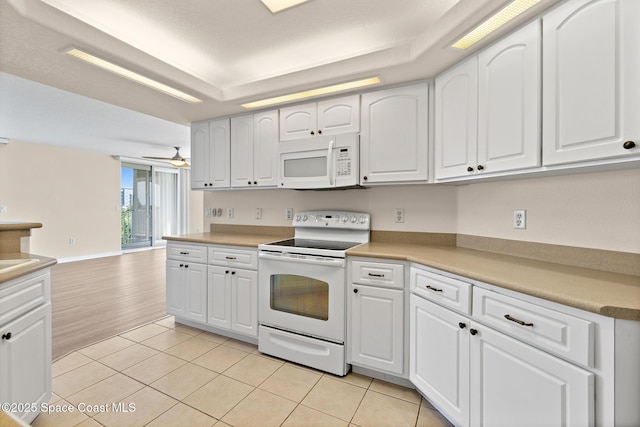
[596, 210]
[73, 193]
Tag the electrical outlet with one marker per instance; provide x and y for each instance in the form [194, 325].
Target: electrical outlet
[520, 219]
[3, 209]
[72, 240]
[208, 212]
[399, 215]
[258, 213]
[289, 214]
[218, 212]
[229, 212]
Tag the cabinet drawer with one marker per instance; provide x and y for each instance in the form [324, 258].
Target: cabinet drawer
[185, 252]
[21, 295]
[378, 273]
[452, 293]
[245, 258]
[559, 333]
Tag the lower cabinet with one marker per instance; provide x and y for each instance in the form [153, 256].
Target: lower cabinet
[479, 377]
[187, 290]
[232, 299]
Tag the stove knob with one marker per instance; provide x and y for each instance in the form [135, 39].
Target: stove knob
[354, 219]
[298, 218]
[363, 219]
[304, 217]
[345, 218]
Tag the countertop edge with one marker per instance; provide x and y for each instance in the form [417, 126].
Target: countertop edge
[43, 263]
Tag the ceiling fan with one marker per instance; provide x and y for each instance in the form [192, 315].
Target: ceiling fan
[177, 160]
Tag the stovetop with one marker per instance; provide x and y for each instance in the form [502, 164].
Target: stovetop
[314, 244]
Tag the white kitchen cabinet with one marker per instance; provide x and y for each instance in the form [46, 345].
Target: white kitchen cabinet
[591, 89]
[513, 383]
[394, 138]
[327, 117]
[488, 109]
[439, 357]
[254, 146]
[25, 347]
[377, 325]
[377, 316]
[210, 154]
[233, 299]
[186, 290]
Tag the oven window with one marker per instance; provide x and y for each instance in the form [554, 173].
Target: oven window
[300, 295]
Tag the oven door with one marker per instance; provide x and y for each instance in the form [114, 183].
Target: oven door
[303, 294]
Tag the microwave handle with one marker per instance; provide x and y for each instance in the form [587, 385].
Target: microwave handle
[330, 161]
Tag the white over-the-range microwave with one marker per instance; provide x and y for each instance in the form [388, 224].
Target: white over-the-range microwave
[321, 162]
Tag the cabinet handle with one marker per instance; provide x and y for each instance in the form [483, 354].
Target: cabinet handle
[469, 169]
[355, 291]
[462, 325]
[480, 167]
[230, 257]
[473, 331]
[628, 145]
[184, 253]
[376, 275]
[518, 321]
[434, 289]
[6, 336]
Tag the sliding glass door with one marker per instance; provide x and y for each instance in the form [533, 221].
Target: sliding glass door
[149, 197]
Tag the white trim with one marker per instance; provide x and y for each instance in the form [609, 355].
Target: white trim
[91, 256]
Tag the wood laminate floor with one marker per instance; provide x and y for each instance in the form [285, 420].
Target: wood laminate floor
[99, 298]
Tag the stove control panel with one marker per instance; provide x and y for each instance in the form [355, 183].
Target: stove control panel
[333, 219]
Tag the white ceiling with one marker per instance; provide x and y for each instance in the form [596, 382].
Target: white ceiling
[226, 52]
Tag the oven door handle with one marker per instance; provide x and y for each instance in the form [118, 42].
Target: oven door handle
[329, 262]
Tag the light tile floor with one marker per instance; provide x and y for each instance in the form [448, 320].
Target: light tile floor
[166, 374]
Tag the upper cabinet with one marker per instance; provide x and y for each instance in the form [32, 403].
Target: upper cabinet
[591, 84]
[394, 138]
[328, 117]
[210, 154]
[487, 116]
[254, 145]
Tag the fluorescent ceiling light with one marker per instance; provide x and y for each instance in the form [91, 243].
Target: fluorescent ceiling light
[123, 72]
[503, 16]
[276, 6]
[313, 92]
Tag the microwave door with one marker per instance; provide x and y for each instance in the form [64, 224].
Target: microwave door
[305, 169]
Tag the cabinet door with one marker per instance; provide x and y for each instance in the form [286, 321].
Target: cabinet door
[195, 289]
[219, 159]
[509, 102]
[377, 324]
[199, 155]
[175, 294]
[300, 121]
[513, 384]
[219, 297]
[339, 115]
[439, 357]
[244, 302]
[242, 151]
[25, 360]
[591, 89]
[265, 149]
[456, 120]
[394, 140]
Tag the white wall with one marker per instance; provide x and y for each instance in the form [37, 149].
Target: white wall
[596, 210]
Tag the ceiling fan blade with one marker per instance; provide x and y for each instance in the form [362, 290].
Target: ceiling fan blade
[156, 158]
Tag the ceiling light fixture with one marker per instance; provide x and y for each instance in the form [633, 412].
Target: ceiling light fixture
[123, 72]
[313, 92]
[503, 16]
[276, 6]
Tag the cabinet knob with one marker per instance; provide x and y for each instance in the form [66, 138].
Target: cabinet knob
[628, 145]
[320, 131]
[462, 325]
[355, 291]
[206, 184]
[181, 265]
[255, 182]
[469, 169]
[6, 336]
[226, 272]
[365, 178]
[480, 167]
[186, 266]
[313, 133]
[233, 272]
[473, 331]
[249, 182]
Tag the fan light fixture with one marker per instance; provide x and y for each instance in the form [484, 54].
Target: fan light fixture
[131, 75]
[313, 92]
[177, 160]
[496, 21]
[276, 6]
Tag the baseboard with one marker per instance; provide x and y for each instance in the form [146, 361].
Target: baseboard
[86, 257]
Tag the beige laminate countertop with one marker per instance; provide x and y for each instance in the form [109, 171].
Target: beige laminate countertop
[14, 272]
[609, 294]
